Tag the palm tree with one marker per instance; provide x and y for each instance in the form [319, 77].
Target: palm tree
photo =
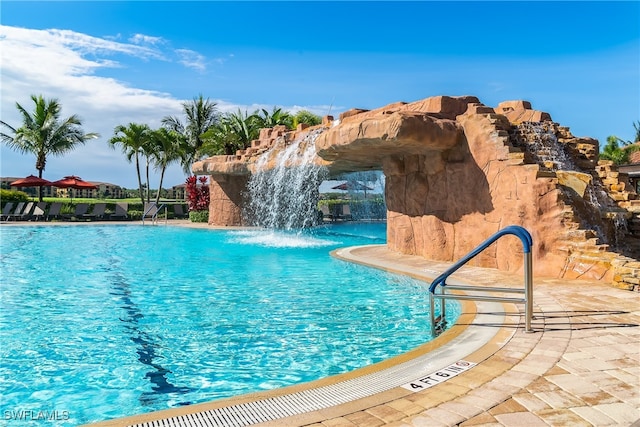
[306, 117]
[618, 150]
[133, 140]
[220, 139]
[200, 116]
[245, 126]
[235, 131]
[43, 133]
[275, 118]
[165, 150]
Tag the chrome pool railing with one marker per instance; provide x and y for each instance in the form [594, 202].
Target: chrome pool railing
[152, 211]
[438, 323]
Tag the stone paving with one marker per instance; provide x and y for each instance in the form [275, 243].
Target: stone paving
[580, 367]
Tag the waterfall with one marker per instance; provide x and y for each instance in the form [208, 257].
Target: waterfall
[283, 190]
[541, 142]
[599, 210]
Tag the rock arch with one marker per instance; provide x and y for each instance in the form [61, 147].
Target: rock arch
[457, 171]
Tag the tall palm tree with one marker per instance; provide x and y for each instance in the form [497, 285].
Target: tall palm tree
[166, 149]
[200, 116]
[133, 140]
[43, 133]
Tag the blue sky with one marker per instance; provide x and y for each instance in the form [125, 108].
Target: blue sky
[135, 61]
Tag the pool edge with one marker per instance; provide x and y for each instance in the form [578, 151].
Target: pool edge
[350, 254]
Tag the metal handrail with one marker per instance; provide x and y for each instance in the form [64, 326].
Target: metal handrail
[154, 217]
[438, 323]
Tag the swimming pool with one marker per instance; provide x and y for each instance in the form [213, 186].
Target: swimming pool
[106, 321]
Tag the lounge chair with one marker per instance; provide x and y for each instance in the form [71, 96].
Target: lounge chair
[121, 211]
[326, 213]
[38, 211]
[16, 212]
[81, 209]
[6, 210]
[20, 212]
[178, 211]
[97, 212]
[54, 210]
[346, 213]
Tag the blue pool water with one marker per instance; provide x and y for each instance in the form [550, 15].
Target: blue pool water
[98, 322]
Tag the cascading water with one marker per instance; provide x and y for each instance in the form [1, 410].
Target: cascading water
[542, 144]
[283, 190]
[600, 212]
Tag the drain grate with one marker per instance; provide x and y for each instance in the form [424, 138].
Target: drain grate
[274, 408]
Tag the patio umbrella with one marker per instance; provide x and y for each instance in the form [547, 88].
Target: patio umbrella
[349, 185]
[31, 181]
[73, 181]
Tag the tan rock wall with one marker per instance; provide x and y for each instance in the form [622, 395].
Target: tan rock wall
[443, 213]
[227, 200]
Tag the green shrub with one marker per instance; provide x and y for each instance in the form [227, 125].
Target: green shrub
[199, 216]
[13, 196]
[134, 214]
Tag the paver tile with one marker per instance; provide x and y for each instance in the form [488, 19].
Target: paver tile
[622, 413]
[597, 398]
[563, 417]
[386, 413]
[507, 407]
[592, 415]
[572, 383]
[424, 421]
[541, 385]
[623, 391]
[560, 399]
[516, 379]
[483, 419]
[520, 419]
[531, 402]
[364, 419]
[338, 422]
[467, 411]
[406, 406]
[445, 416]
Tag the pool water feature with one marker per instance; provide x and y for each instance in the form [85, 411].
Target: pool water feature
[283, 192]
[101, 322]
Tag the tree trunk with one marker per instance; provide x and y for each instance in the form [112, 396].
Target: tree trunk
[160, 186]
[148, 183]
[139, 180]
[40, 187]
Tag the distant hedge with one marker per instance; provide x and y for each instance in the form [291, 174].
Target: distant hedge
[13, 196]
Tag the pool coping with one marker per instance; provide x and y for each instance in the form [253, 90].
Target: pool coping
[459, 343]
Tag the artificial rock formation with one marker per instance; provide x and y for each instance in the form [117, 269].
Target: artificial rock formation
[456, 172]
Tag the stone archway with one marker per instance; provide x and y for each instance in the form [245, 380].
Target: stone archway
[456, 171]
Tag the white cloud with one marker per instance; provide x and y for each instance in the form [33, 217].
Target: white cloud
[139, 39]
[64, 64]
[191, 59]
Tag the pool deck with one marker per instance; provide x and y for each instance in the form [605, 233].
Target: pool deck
[580, 366]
